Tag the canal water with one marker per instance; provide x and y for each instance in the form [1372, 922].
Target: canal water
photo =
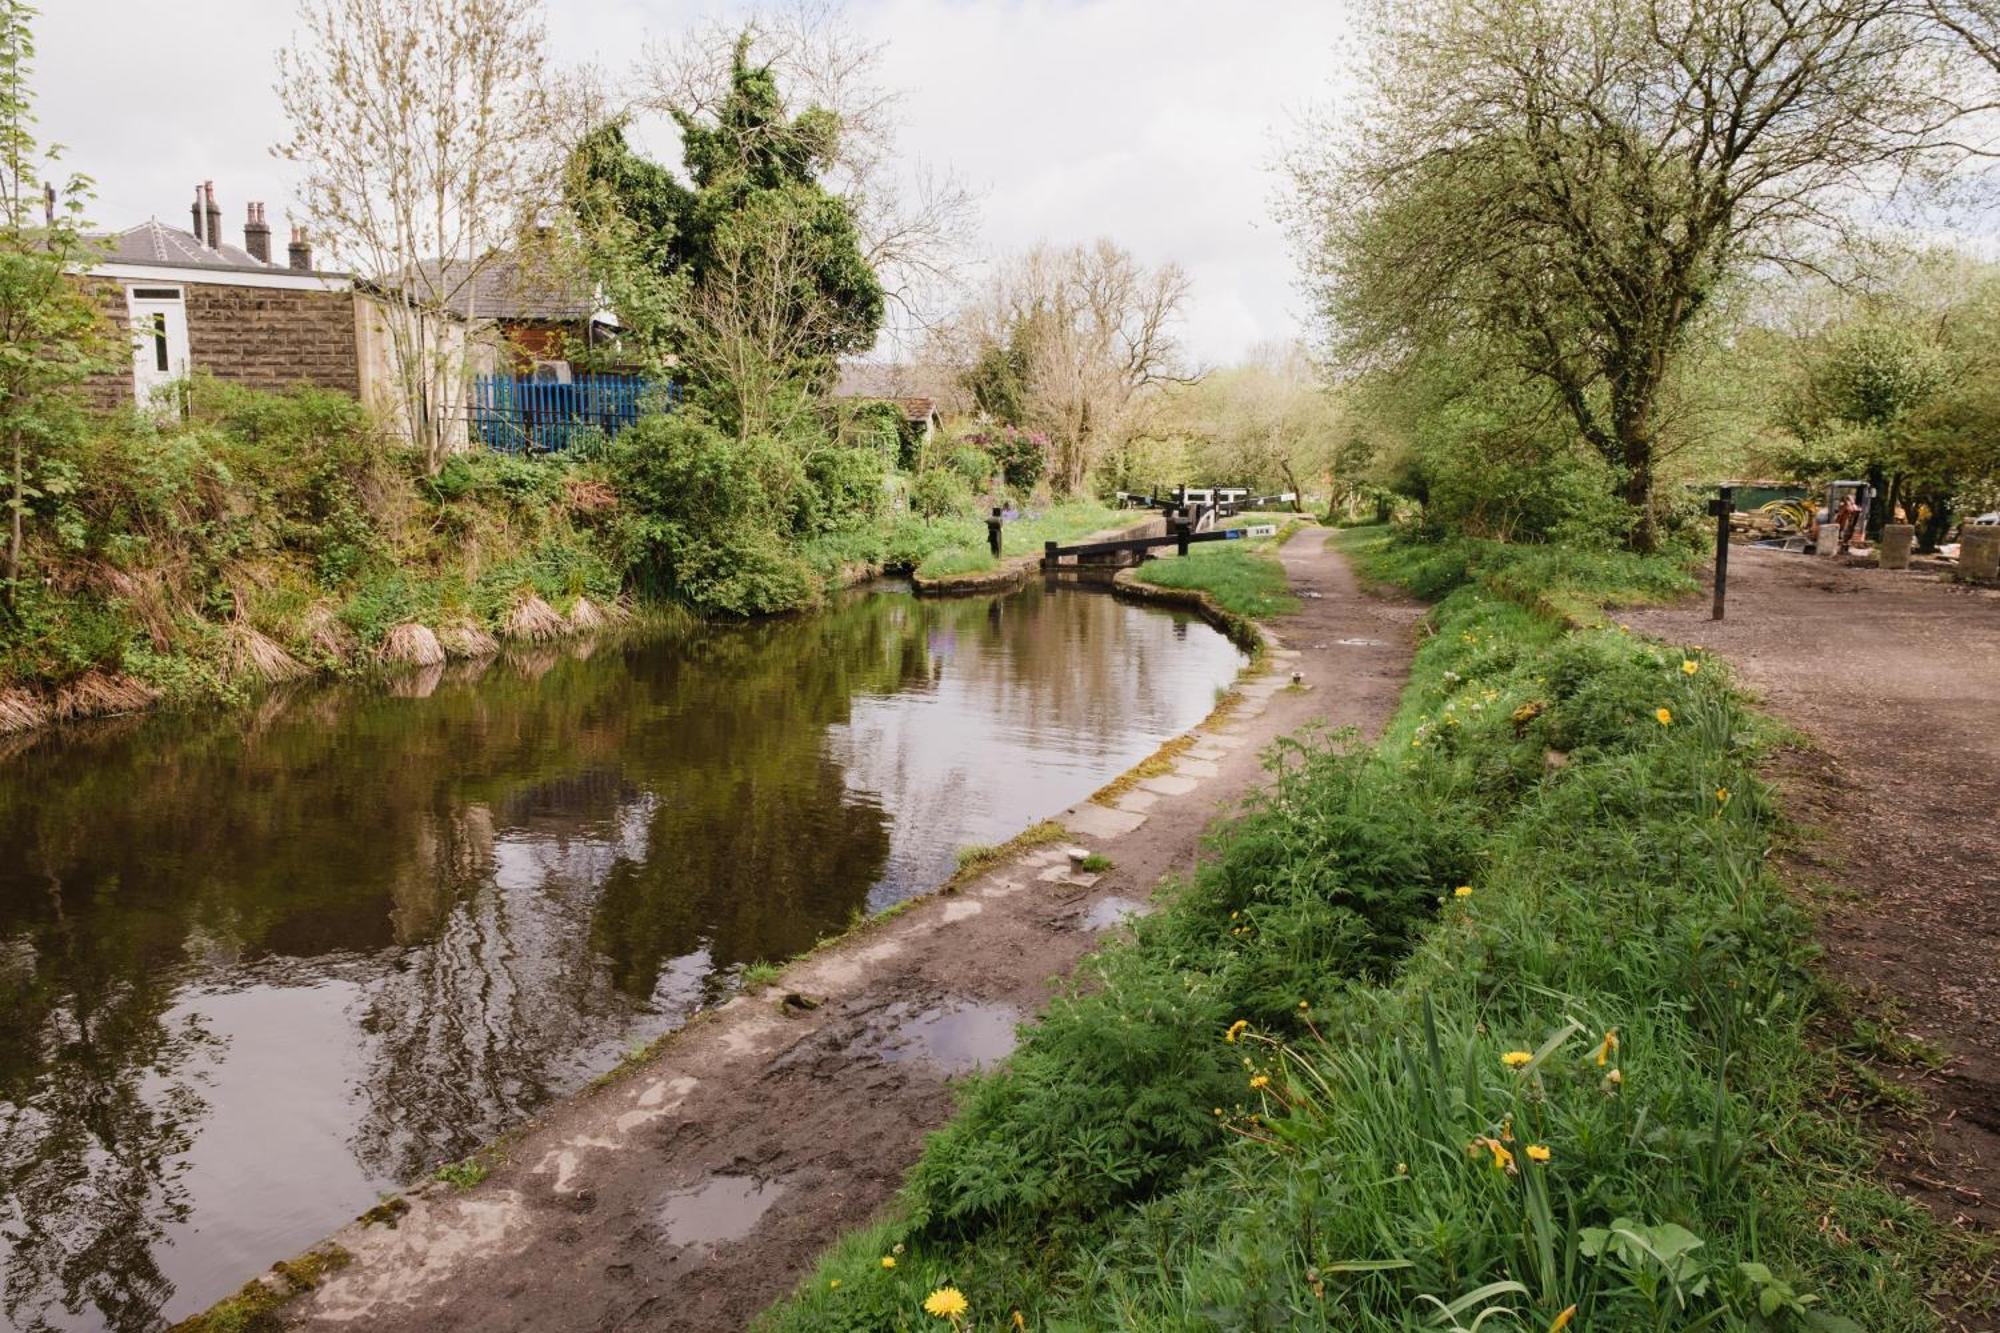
[257, 968]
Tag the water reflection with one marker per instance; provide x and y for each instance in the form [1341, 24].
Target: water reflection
[254, 969]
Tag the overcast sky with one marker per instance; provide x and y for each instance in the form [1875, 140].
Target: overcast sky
[1151, 121]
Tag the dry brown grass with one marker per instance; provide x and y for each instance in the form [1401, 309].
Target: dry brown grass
[534, 621]
[412, 644]
[21, 710]
[328, 635]
[467, 639]
[260, 657]
[584, 617]
[99, 694]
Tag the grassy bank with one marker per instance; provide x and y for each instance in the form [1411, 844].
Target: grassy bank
[1244, 577]
[268, 537]
[274, 536]
[1499, 1022]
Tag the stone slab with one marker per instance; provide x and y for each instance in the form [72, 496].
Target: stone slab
[1137, 801]
[1169, 785]
[1196, 768]
[1092, 820]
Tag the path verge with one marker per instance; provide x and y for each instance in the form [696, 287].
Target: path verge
[699, 1184]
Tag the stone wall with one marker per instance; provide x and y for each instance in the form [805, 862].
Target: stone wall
[265, 337]
[273, 338]
[113, 388]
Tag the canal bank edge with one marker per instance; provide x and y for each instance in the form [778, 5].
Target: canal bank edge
[415, 1211]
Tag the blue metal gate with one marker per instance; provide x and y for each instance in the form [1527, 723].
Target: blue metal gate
[514, 414]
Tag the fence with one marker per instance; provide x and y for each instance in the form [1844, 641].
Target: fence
[513, 414]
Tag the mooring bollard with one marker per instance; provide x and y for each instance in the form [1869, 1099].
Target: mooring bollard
[1722, 508]
[1181, 527]
[993, 531]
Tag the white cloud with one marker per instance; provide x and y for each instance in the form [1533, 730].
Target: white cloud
[1150, 121]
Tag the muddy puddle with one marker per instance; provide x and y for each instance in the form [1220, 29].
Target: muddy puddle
[1113, 911]
[957, 1036]
[720, 1209]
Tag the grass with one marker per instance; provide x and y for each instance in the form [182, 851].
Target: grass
[1095, 863]
[1064, 521]
[463, 1174]
[759, 975]
[1441, 1035]
[1245, 581]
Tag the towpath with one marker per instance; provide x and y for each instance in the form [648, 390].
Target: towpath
[1895, 679]
[697, 1188]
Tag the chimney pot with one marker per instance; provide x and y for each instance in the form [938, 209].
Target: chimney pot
[214, 215]
[257, 235]
[301, 254]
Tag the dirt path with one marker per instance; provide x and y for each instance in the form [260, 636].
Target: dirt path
[1896, 678]
[696, 1189]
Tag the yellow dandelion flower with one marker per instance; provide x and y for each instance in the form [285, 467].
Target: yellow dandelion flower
[946, 1303]
[1663, 716]
[888, 1261]
[1722, 796]
[1606, 1047]
[1538, 1152]
[1304, 1004]
[1261, 1081]
[1562, 1320]
[833, 1285]
[1462, 891]
[1236, 1029]
[1515, 1059]
[1689, 667]
[1502, 1159]
[1019, 1322]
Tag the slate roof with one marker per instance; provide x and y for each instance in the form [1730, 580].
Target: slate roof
[516, 288]
[153, 242]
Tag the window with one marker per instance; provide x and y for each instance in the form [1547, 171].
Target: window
[159, 341]
[156, 293]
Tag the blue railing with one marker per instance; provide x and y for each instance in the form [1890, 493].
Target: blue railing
[513, 414]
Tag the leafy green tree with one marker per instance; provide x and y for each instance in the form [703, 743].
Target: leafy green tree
[1566, 186]
[749, 272]
[51, 336]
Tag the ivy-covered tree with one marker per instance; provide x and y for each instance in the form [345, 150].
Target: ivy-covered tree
[51, 337]
[748, 272]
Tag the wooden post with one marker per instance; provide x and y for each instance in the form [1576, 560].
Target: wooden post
[1722, 508]
[1181, 526]
[1049, 556]
[993, 532]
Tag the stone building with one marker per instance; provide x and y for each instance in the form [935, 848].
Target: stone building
[195, 302]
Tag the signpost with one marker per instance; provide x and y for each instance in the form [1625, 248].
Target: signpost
[1722, 508]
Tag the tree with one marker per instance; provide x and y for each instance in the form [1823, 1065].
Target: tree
[1901, 385]
[51, 334]
[751, 272]
[425, 134]
[915, 222]
[1566, 184]
[1083, 335]
[1269, 423]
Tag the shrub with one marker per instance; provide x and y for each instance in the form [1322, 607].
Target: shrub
[939, 493]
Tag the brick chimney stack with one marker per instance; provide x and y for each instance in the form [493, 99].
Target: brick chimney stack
[200, 229]
[257, 235]
[300, 250]
[214, 215]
